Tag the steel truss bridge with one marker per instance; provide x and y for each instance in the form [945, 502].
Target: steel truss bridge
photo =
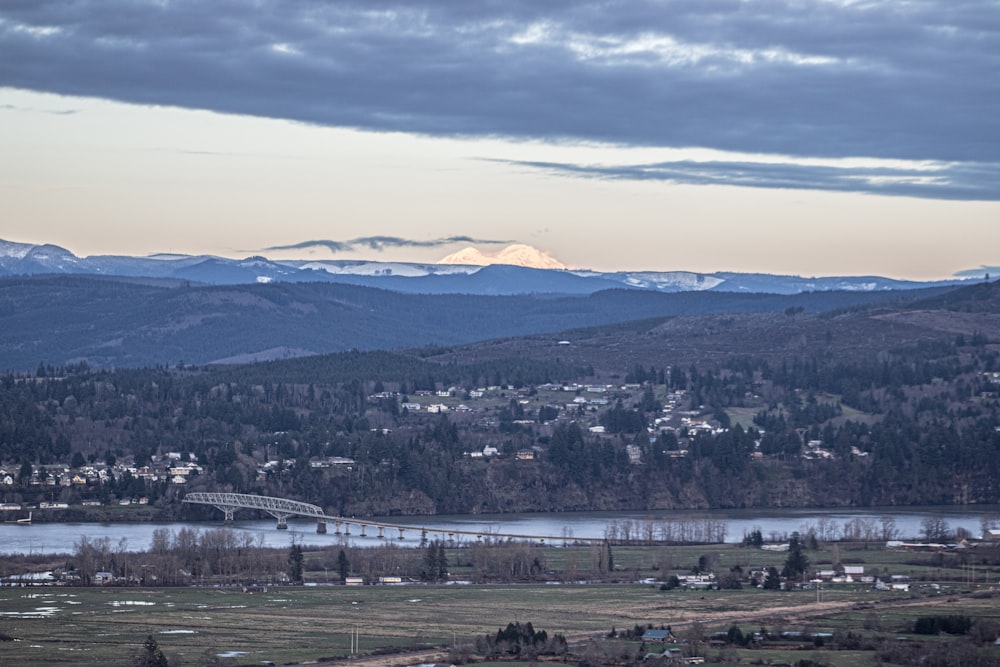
[282, 508]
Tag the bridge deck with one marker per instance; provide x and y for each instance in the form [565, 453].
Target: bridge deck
[282, 507]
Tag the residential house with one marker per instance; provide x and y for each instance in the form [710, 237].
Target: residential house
[659, 635]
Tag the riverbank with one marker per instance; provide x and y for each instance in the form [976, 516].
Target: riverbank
[135, 526]
[133, 513]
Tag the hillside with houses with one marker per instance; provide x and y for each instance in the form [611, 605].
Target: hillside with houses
[862, 413]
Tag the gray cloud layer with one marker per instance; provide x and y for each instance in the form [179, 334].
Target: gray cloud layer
[822, 78]
[382, 242]
[945, 181]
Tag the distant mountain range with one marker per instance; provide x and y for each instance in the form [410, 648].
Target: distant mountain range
[477, 276]
[112, 321]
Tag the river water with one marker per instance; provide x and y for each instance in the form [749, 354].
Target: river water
[57, 538]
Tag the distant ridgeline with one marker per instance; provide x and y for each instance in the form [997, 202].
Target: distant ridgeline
[137, 322]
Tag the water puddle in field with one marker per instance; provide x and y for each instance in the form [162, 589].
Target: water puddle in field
[38, 612]
[231, 654]
[178, 632]
[131, 603]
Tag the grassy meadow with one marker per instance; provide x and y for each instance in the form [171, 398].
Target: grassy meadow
[296, 624]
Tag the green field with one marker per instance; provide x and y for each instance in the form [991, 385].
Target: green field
[202, 626]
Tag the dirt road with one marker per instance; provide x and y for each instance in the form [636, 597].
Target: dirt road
[771, 616]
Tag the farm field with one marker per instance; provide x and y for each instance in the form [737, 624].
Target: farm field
[420, 623]
[197, 626]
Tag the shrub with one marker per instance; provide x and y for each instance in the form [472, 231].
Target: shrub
[952, 625]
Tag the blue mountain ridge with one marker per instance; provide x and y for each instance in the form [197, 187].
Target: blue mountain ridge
[497, 279]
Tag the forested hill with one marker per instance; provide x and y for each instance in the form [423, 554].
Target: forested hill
[863, 406]
[114, 322]
[861, 335]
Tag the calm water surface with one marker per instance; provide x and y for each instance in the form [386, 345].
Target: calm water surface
[50, 538]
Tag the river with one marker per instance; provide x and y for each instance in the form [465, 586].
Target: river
[57, 538]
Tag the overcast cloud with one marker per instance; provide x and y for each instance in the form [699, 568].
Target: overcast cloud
[821, 79]
[380, 243]
[937, 181]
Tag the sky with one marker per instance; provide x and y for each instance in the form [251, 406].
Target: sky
[806, 137]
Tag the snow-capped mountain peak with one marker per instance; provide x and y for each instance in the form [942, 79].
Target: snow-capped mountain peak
[518, 254]
[15, 250]
[459, 273]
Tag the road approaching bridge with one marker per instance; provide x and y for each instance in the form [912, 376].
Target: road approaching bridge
[282, 508]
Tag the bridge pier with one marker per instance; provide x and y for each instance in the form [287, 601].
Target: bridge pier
[228, 511]
[282, 508]
[279, 508]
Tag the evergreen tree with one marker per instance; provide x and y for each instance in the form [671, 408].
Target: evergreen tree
[295, 561]
[442, 562]
[797, 562]
[432, 566]
[343, 567]
[150, 655]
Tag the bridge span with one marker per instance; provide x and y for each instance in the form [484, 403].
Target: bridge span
[282, 508]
